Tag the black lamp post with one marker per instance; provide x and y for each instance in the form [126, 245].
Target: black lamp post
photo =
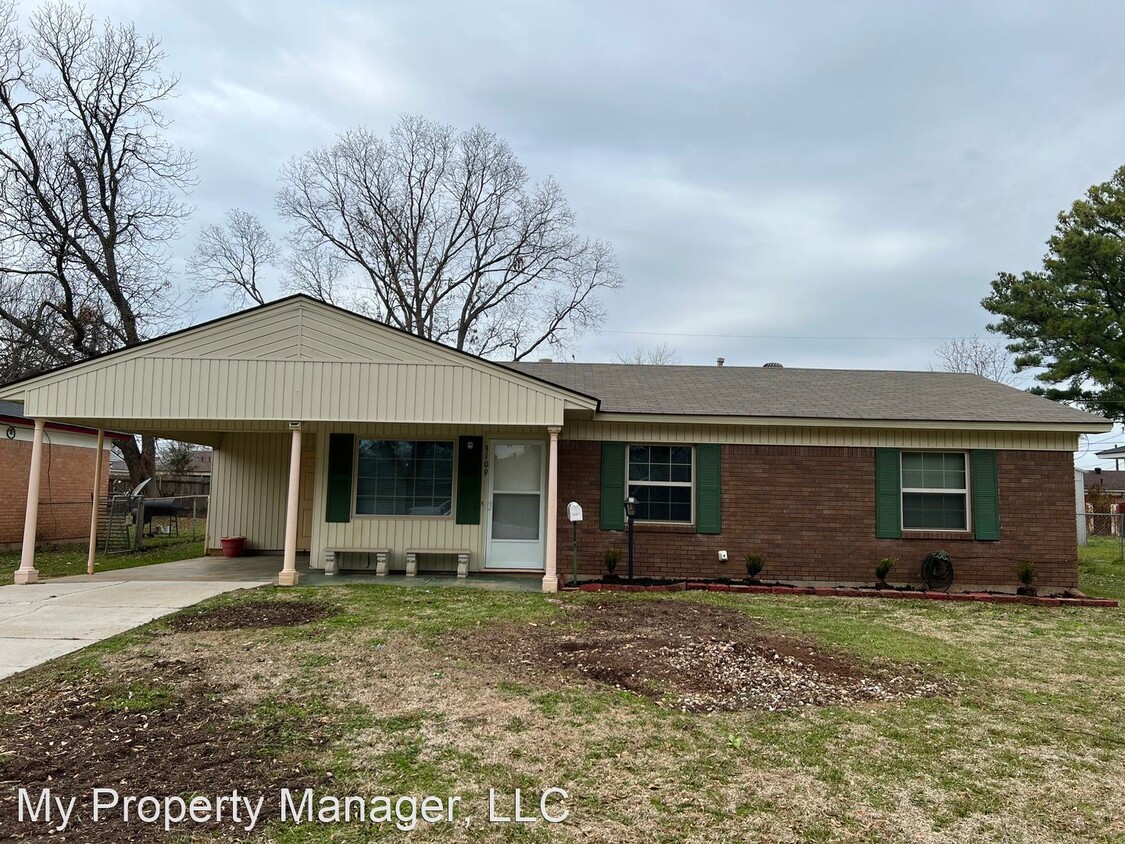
[630, 514]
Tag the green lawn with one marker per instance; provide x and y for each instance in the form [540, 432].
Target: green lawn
[386, 698]
[1101, 572]
[63, 560]
[391, 696]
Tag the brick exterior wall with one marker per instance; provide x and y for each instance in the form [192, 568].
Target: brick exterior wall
[810, 512]
[65, 490]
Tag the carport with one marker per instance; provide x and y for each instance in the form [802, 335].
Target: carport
[286, 393]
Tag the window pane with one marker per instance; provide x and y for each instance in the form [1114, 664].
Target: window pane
[515, 516]
[933, 470]
[518, 467]
[662, 503]
[404, 478]
[681, 473]
[651, 469]
[933, 511]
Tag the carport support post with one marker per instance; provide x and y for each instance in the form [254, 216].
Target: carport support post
[550, 575]
[95, 502]
[288, 575]
[27, 573]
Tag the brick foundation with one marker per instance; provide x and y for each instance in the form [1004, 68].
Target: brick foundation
[65, 491]
[810, 512]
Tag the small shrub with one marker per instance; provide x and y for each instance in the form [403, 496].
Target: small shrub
[1100, 500]
[1026, 573]
[612, 558]
[883, 568]
[754, 565]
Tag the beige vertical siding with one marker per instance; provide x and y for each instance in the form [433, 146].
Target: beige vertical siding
[296, 360]
[848, 437]
[249, 479]
[220, 390]
[398, 534]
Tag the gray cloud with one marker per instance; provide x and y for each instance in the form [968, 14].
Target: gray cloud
[817, 170]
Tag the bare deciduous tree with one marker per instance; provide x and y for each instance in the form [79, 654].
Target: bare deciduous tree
[449, 239]
[231, 257]
[661, 354]
[977, 356]
[89, 193]
[320, 271]
[177, 457]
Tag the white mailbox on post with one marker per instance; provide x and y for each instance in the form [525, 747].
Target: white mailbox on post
[574, 513]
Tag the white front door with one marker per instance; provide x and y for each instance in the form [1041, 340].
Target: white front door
[515, 504]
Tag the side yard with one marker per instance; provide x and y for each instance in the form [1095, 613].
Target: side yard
[64, 560]
[1101, 571]
[699, 717]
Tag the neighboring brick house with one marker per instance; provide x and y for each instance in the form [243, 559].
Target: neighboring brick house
[373, 449]
[67, 480]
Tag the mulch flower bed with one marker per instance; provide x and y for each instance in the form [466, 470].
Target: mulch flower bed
[836, 592]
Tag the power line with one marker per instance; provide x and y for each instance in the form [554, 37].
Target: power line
[775, 336]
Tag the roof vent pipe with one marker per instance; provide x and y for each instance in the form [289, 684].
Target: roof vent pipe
[720, 361]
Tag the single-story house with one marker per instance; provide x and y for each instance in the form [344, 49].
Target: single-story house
[370, 448]
[1112, 480]
[69, 460]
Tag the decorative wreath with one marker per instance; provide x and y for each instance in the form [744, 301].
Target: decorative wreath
[937, 571]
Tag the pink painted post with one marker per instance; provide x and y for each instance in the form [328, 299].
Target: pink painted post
[27, 573]
[289, 575]
[550, 574]
[95, 503]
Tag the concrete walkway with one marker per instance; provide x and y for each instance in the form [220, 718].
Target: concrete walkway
[44, 620]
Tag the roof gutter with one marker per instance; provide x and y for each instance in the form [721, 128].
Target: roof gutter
[1092, 427]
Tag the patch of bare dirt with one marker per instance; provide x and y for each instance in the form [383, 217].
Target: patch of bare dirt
[160, 729]
[700, 658]
[251, 614]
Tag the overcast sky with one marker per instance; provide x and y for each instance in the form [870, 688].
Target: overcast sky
[778, 178]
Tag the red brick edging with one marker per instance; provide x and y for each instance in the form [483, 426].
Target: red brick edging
[843, 592]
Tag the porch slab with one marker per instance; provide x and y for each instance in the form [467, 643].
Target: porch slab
[475, 580]
[54, 617]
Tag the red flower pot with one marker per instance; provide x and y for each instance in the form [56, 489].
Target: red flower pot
[233, 546]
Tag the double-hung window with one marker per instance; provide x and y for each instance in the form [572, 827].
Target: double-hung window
[404, 478]
[935, 491]
[660, 478]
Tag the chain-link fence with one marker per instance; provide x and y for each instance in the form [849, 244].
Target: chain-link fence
[133, 522]
[1101, 527]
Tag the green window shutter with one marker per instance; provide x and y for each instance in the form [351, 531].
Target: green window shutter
[888, 493]
[612, 504]
[469, 461]
[338, 500]
[986, 494]
[708, 488]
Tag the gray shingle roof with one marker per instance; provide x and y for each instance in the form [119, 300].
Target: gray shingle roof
[805, 393]
[11, 408]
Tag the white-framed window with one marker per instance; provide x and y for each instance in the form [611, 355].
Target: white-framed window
[661, 478]
[404, 478]
[935, 490]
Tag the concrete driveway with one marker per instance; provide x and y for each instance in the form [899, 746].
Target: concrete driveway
[44, 620]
